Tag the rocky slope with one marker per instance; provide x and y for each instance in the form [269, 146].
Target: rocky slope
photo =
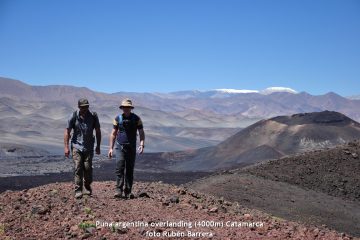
[318, 187]
[333, 171]
[157, 212]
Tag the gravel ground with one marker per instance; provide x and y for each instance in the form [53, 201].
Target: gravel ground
[316, 188]
[157, 211]
[334, 171]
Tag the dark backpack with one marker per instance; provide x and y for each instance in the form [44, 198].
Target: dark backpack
[94, 114]
[132, 119]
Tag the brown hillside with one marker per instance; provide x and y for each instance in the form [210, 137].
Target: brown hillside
[273, 138]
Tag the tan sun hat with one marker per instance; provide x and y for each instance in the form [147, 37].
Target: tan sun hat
[126, 103]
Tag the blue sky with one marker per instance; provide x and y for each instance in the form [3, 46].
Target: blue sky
[171, 45]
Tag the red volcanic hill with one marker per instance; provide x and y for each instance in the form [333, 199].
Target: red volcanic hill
[157, 211]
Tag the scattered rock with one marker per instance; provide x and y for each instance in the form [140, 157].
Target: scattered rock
[22, 200]
[247, 216]
[181, 191]
[144, 195]
[195, 195]
[174, 199]
[40, 209]
[122, 230]
[53, 192]
[11, 150]
[347, 152]
[74, 228]
[90, 230]
[214, 210]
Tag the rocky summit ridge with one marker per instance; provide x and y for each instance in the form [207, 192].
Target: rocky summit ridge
[158, 211]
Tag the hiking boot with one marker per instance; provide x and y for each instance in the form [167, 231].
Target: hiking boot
[118, 194]
[129, 196]
[87, 191]
[78, 194]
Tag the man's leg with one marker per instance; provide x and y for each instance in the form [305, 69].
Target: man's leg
[88, 173]
[120, 168]
[78, 172]
[129, 164]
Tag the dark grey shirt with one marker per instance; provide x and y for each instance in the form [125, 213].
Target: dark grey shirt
[83, 138]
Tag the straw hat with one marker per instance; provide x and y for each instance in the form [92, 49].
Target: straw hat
[126, 103]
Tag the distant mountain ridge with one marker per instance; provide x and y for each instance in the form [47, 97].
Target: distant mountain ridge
[282, 101]
[214, 113]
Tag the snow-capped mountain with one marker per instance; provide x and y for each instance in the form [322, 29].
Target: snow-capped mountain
[355, 97]
[222, 93]
[216, 93]
[229, 90]
[266, 91]
[271, 90]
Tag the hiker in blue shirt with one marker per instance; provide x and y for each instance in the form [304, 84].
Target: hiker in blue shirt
[123, 136]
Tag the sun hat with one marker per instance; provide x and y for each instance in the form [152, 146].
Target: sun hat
[126, 103]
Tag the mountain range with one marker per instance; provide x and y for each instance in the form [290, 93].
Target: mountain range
[173, 121]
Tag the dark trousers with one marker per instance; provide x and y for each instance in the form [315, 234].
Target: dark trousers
[125, 163]
[83, 169]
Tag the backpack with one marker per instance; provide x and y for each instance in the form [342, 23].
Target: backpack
[94, 114]
[126, 130]
[132, 119]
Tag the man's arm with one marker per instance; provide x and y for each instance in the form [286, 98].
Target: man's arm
[66, 142]
[112, 142]
[98, 140]
[142, 140]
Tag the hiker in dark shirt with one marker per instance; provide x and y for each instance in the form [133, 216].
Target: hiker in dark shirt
[123, 136]
[83, 123]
